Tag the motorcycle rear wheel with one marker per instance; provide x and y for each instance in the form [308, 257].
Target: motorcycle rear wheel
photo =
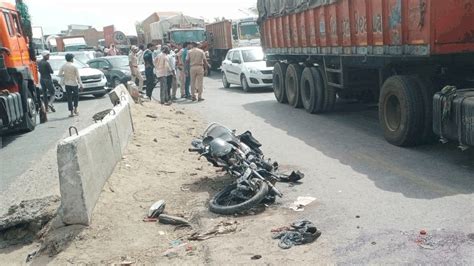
[216, 205]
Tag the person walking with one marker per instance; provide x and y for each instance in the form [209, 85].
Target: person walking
[45, 70]
[72, 81]
[163, 71]
[197, 61]
[149, 69]
[134, 70]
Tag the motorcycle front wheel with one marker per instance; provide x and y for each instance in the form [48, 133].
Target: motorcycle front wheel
[226, 203]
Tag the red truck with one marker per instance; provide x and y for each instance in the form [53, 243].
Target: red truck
[19, 96]
[399, 53]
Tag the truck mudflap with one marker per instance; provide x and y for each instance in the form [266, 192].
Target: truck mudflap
[11, 109]
[453, 117]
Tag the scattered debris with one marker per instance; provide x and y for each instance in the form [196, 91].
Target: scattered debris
[151, 116]
[222, 228]
[155, 140]
[150, 220]
[423, 232]
[280, 229]
[179, 113]
[184, 188]
[357, 216]
[256, 257]
[301, 232]
[161, 233]
[193, 174]
[156, 209]
[301, 202]
[173, 220]
[177, 246]
[373, 243]
[470, 236]
[426, 246]
[101, 115]
[199, 168]
[294, 177]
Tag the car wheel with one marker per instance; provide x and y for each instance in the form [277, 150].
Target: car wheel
[245, 85]
[224, 81]
[59, 94]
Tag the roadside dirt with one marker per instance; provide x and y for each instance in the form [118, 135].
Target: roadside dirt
[157, 166]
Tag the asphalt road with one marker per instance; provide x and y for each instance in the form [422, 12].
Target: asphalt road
[28, 161]
[372, 198]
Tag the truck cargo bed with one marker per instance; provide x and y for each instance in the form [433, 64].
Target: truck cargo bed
[367, 27]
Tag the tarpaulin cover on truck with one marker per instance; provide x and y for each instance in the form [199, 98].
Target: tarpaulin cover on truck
[158, 29]
[270, 8]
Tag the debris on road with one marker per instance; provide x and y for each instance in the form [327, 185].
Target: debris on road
[173, 220]
[101, 115]
[176, 247]
[256, 257]
[294, 177]
[300, 203]
[301, 232]
[156, 209]
[152, 116]
[222, 228]
[423, 232]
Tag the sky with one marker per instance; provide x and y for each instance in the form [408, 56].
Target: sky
[55, 15]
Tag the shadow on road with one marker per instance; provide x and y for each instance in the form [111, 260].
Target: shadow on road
[352, 135]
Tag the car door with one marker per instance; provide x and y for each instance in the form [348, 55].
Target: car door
[105, 67]
[226, 64]
[235, 67]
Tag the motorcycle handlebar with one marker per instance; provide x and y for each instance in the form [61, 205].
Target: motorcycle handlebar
[194, 150]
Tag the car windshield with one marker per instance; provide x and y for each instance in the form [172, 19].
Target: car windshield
[118, 62]
[253, 55]
[57, 63]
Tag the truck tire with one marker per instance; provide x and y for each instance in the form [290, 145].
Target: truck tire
[292, 84]
[401, 111]
[428, 90]
[312, 90]
[329, 93]
[30, 114]
[279, 72]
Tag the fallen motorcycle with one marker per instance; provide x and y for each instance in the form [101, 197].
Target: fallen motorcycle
[240, 156]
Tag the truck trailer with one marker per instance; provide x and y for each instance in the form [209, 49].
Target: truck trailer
[415, 58]
[177, 30]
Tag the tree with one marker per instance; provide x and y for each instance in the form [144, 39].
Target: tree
[25, 18]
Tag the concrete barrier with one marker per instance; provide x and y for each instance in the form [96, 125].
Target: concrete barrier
[120, 91]
[86, 161]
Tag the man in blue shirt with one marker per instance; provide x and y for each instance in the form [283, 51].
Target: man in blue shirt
[186, 47]
[149, 73]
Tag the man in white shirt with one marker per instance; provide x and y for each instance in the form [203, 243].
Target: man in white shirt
[72, 82]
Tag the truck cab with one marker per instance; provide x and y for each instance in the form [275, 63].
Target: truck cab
[18, 74]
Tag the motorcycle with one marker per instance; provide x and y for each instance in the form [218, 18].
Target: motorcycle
[240, 156]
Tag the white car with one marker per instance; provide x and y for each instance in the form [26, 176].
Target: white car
[246, 67]
[93, 80]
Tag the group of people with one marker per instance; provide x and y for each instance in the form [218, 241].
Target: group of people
[184, 68]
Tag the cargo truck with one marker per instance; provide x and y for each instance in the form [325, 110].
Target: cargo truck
[19, 94]
[225, 35]
[399, 53]
[178, 29]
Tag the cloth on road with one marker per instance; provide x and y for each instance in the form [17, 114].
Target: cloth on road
[301, 232]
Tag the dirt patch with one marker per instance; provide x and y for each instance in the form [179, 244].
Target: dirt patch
[158, 166]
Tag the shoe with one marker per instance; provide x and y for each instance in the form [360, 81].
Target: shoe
[201, 99]
[76, 112]
[188, 97]
[71, 115]
[183, 96]
[193, 99]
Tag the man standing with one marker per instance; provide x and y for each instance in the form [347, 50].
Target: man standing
[186, 79]
[134, 70]
[141, 51]
[149, 69]
[112, 51]
[46, 81]
[172, 78]
[163, 71]
[197, 61]
[72, 81]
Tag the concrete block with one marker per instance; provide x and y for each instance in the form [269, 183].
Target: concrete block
[86, 161]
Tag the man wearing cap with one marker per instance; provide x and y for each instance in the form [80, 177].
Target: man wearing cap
[134, 70]
[46, 81]
[197, 61]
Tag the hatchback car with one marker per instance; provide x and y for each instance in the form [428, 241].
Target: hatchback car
[246, 66]
[115, 68]
[94, 81]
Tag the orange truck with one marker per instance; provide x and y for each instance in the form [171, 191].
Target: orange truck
[19, 94]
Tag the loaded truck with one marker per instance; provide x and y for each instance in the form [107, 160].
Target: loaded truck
[71, 43]
[178, 29]
[225, 35]
[415, 58]
[19, 100]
